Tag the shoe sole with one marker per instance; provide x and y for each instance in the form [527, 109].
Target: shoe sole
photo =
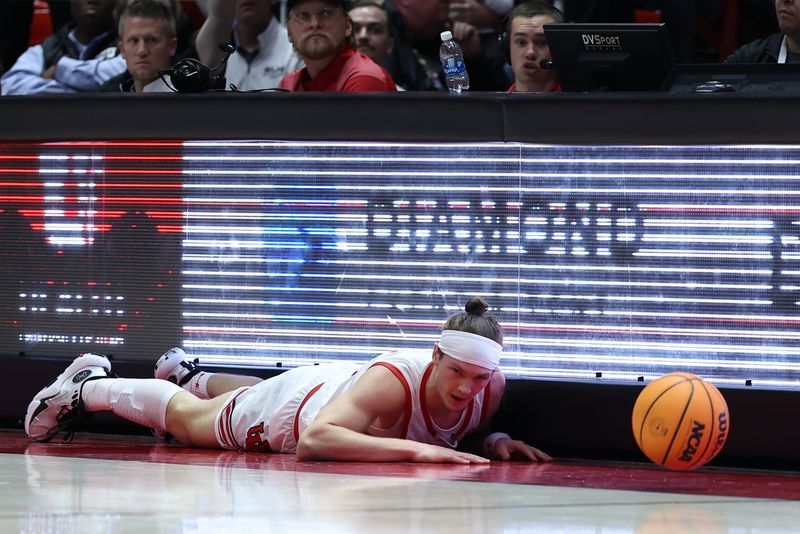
[39, 402]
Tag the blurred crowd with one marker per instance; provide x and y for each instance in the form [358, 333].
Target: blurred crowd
[68, 46]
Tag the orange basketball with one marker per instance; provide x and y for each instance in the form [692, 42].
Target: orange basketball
[680, 421]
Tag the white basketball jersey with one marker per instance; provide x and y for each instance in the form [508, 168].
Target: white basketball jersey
[413, 369]
[272, 415]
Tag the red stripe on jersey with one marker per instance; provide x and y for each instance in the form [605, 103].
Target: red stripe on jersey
[396, 372]
[487, 399]
[296, 425]
[224, 427]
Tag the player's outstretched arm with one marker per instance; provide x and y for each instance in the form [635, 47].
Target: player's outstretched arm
[339, 431]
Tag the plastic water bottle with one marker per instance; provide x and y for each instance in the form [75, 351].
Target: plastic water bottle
[455, 72]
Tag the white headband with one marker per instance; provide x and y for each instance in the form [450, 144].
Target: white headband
[471, 348]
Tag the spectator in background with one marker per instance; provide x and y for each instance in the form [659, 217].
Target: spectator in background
[485, 64]
[322, 34]
[423, 20]
[39, 69]
[598, 10]
[109, 75]
[781, 47]
[415, 61]
[474, 25]
[526, 46]
[263, 53]
[16, 17]
[147, 42]
[482, 15]
[184, 30]
[90, 74]
[371, 30]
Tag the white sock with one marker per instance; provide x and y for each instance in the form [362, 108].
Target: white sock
[198, 385]
[141, 400]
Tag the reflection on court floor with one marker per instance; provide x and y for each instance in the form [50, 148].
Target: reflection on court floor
[131, 484]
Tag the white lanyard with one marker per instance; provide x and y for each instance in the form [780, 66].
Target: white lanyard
[784, 50]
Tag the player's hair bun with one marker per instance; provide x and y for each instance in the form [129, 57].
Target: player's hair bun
[476, 306]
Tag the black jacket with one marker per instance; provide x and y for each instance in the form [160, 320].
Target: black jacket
[58, 45]
[118, 84]
[761, 51]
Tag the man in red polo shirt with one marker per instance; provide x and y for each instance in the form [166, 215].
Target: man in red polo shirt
[321, 33]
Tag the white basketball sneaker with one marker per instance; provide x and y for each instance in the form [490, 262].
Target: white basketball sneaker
[176, 367]
[59, 407]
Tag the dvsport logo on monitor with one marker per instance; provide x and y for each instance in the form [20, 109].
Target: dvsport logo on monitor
[599, 42]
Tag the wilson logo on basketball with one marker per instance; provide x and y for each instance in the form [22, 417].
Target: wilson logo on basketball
[695, 437]
[723, 433]
[81, 376]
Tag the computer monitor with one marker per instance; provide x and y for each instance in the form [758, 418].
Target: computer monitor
[610, 57]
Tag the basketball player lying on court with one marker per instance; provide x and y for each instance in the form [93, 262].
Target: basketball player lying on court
[397, 407]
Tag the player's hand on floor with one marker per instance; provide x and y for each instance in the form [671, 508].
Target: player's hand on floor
[436, 454]
[505, 449]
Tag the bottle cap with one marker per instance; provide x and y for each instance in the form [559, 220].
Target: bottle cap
[446, 35]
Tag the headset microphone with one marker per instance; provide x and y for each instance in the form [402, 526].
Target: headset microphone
[546, 64]
[191, 76]
[228, 49]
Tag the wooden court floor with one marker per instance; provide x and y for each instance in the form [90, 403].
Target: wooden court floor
[133, 484]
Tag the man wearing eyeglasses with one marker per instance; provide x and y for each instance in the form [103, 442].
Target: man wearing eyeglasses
[322, 35]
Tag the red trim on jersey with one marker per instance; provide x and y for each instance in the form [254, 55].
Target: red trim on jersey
[487, 397]
[396, 372]
[225, 425]
[296, 425]
[427, 416]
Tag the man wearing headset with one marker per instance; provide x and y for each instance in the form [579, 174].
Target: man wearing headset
[525, 43]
